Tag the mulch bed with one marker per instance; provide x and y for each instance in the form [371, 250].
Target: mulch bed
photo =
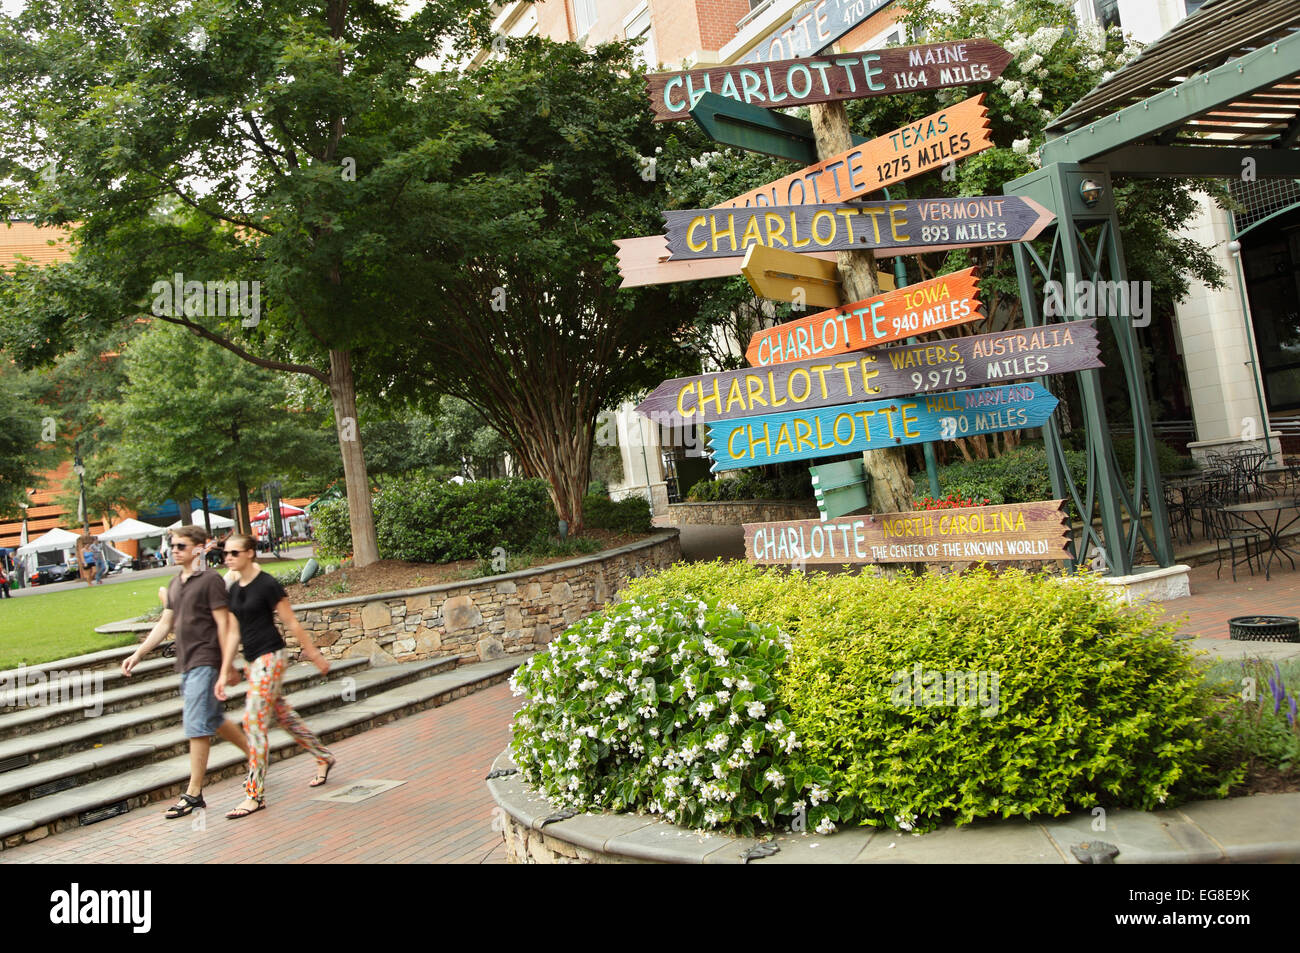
[392, 575]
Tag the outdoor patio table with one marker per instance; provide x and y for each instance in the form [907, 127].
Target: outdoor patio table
[1257, 516]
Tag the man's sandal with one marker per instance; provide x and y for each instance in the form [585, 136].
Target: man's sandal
[186, 805]
[321, 778]
[239, 812]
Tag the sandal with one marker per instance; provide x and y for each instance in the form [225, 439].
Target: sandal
[239, 812]
[186, 805]
[321, 778]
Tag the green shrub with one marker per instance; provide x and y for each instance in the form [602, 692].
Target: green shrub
[1018, 476]
[667, 708]
[1077, 701]
[631, 515]
[1261, 727]
[421, 518]
[1169, 459]
[332, 529]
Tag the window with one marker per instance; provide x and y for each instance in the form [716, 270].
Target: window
[1108, 13]
[584, 14]
[638, 27]
[1193, 6]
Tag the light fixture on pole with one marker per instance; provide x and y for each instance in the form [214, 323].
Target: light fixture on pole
[79, 469]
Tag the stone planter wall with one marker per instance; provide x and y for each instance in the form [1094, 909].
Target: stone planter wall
[740, 512]
[485, 618]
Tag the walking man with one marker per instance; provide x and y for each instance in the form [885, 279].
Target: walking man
[197, 609]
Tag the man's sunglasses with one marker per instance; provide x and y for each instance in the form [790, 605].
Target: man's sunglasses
[180, 545]
[235, 552]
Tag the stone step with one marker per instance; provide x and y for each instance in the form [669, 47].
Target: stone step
[79, 767]
[86, 732]
[137, 786]
[37, 703]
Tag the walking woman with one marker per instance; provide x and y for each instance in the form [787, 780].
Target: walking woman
[256, 598]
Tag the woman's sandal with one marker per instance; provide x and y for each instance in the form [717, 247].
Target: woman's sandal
[239, 812]
[321, 778]
[186, 805]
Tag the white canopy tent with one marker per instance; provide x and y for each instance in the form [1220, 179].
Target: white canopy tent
[131, 529]
[54, 539]
[218, 521]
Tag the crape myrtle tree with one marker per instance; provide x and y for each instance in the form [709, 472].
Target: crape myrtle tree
[507, 296]
[271, 142]
[23, 451]
[194, 418]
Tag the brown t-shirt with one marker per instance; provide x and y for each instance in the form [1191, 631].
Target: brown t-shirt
[192, 601]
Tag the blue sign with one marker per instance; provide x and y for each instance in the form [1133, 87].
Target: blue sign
[877, 425]
[812, 28]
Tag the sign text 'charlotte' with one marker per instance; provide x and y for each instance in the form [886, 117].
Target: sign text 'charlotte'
[848, 428]
[946, 222]
[885, 372]
[820, 79]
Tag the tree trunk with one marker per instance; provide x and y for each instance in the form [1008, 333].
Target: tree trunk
[891, 487]
[241, 518]
[186, 511]
[564, 463]
[361, 516]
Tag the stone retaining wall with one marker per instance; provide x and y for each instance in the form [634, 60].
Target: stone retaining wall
[740, 512]
[488, 617]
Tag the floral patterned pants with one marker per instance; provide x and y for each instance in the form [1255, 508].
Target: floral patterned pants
[264, 677]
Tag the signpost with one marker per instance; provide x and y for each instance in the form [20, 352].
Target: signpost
[800, 279]
[908, 151]
[939, 303]
[886, 372]
[812, 28]
[848, 428]
[856, 226]
[840, 488]
[1012, 531]
[819, 79]
[756, 129]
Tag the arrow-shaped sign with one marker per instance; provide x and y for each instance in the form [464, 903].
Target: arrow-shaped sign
[1011, 531]
[840, 487]
[909, 151]
[799, 279]
[818, 79]
[880, 373]
[811, 28]
[932, 305]
[755, 129]
[848, 428]
[902, 223]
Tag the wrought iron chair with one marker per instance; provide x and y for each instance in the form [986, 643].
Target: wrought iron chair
[1230, 535]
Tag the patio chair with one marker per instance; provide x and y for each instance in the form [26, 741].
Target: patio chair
[1230, 535]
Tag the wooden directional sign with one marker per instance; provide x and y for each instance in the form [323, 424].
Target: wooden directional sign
[1012, 531]
[840, 488]
[903, 223]
[944, 302]
[756, 129]
[848, 428]
[912, 150]
[781, 275]
[812, 28]
[819, 79]
[884, 372]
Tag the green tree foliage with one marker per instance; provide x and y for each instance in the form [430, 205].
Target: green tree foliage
[272, 143]
[194, 418]
[23, 453]
[506, 294]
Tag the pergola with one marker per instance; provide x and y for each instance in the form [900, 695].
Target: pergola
[1217, 96]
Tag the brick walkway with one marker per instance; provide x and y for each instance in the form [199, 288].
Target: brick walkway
[1215, 601]
[442, 814]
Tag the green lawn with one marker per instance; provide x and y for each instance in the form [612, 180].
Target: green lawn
[42, 628]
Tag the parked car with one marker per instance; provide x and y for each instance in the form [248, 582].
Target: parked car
[58, 572]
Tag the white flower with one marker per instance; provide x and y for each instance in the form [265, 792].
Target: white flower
[704, 708]
[905, 821]
[774, 776]
[825, 826]
[614, 698]
[756, 709]
[587, 685]
[1020, 147]
[717, 742]
[724, 696]
[733, 718]
[818, 794]
[743, 685]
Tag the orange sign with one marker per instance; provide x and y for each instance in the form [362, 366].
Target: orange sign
[943, 302]
[912, 150]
